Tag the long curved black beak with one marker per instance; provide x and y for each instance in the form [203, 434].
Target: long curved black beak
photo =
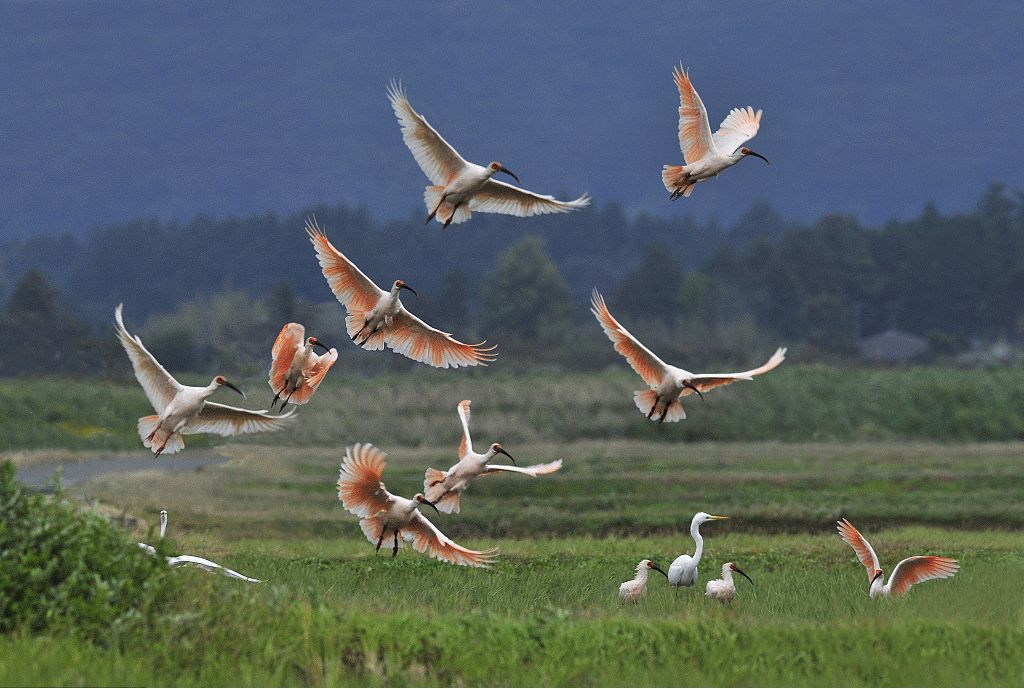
[740, 571]
[758, 155]
[232, 386]
[509, 173]
[318, 343]
[502, 451]
[693, 387]
[409, 288]
[656, 568]
[432, 505]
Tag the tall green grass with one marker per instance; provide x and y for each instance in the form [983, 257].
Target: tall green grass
[794, 403]
[332, 613]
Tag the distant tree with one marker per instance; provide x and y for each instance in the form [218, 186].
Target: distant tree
[652, 289]
[526, 296]
[39, 335]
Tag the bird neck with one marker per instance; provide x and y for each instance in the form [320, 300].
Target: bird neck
[877, 587]
[698, 539]
[727, 575]
[641, 574]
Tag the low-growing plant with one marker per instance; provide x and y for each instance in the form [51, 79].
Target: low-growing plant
[66, 569]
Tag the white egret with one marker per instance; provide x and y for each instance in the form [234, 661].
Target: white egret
[683, 570]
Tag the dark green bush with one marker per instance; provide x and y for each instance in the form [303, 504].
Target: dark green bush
[64, 569]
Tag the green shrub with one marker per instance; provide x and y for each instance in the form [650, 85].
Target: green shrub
[64, 569]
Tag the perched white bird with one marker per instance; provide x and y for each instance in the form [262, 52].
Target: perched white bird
[183, 408]
[707, 154]
[668, 383]
[444, 488]
[376, 317]
[683, 570]
[201, 562]
[724, 589]
[458, 186]
[296, 370]
[908, 572]
[383, 514]
[636, 588]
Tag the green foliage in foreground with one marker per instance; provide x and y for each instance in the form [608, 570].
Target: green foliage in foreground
[65, 569]
[795, 403]
[331, 612]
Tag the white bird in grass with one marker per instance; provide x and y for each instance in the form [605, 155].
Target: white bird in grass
[707, 154]
[724, 590]
[383, 514]
[683, 570]
[184, 408]
[376, 317]
[908, 572]
[667, 383]
[458, 186]
[636, 588]
[444, 488]
[296, 370]
[201, 562]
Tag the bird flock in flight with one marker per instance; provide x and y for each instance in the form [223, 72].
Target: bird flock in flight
[376, 318]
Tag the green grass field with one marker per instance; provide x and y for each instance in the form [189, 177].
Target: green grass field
[794, 404]
[333, 612]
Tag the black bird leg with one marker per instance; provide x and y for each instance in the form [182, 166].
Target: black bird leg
[394, 551]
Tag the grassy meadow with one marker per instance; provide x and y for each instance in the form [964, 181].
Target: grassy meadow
[332, 612]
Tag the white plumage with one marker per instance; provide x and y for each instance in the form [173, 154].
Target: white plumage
[458, 186]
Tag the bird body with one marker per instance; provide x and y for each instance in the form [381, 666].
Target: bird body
[683, 570]
[724, 589]
[707, 154]
[384, 514]
[444, 488]
[912, 570]
[183, 409]
[376, 317]
[636, 588]
[667, 384]
[459, 187]
[296, 370]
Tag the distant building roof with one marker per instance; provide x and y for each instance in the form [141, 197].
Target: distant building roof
[893, 345]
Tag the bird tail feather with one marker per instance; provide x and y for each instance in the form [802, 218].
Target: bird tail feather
[646, 399]
[676, 181]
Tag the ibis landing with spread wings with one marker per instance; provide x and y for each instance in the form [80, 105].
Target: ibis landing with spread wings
[667, 383]
[459, 187]
[907, 573]
[384, 516]
[707, 154]
[444, 488]
[376, 317]
[183, 409]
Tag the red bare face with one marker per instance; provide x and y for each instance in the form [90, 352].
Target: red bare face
[495, 166]
[650, 565]
[220, 380]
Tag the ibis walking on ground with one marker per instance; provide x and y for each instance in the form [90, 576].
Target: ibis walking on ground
[908, 572]
[667, 383]
[183, 409]
[457, 186]
[683, 570]
[444, 488]
[724, 590]
[707, 154]
[636, 588]
[385, 516]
